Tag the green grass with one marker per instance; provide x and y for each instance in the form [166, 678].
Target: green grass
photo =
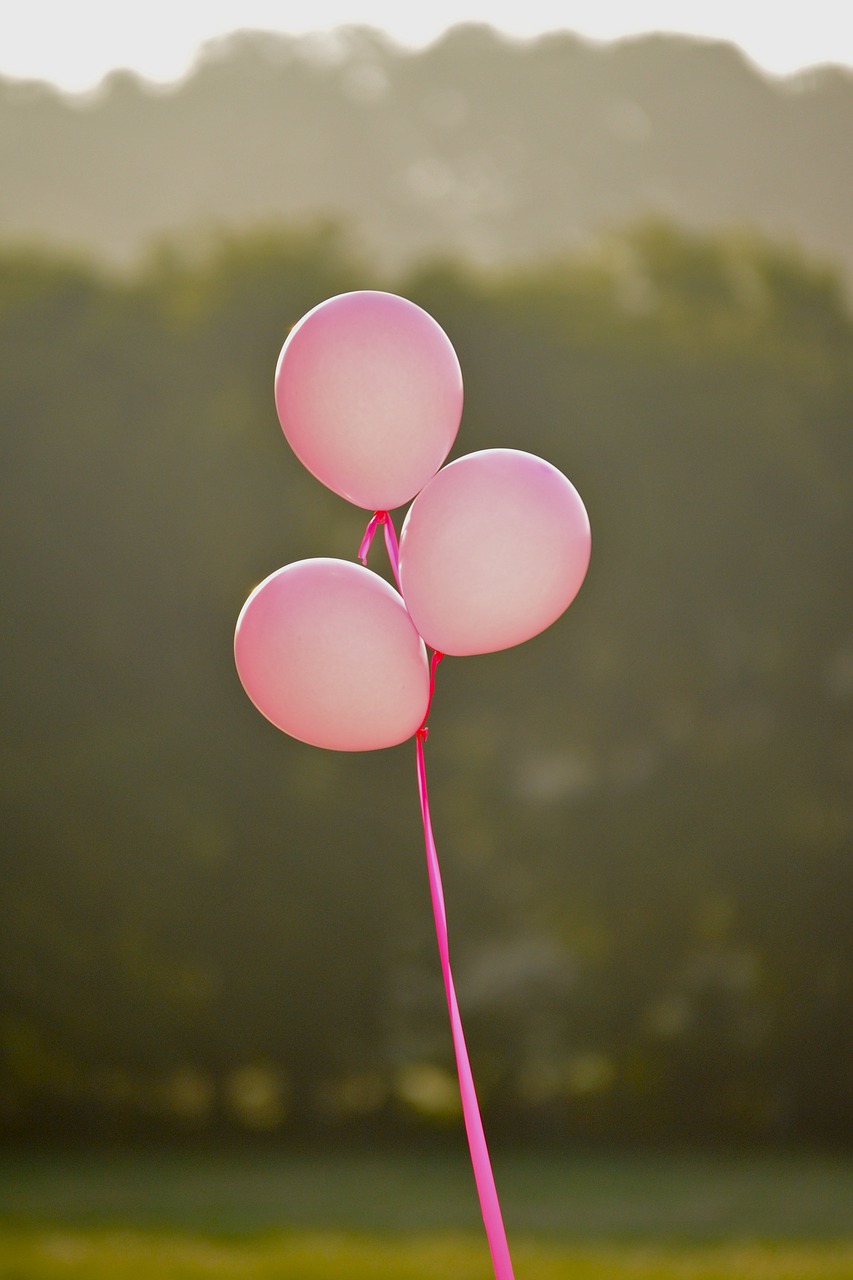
[365, 1217]
[96, 1255]
[548, 1196]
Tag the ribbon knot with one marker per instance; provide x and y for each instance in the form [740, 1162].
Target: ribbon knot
[382, 518]
[378, 518]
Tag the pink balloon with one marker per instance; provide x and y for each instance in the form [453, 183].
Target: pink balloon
[492, 551]
[368, 391]
[326, 650]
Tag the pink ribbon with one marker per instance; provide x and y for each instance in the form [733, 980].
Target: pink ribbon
[483, 1176]
[384, 519]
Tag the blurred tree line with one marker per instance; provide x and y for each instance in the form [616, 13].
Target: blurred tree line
[644, 815]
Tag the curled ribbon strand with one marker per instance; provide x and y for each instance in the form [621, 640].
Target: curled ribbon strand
[382, 518]
[483, 1176]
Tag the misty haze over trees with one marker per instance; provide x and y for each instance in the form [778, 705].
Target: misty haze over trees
[478, 145]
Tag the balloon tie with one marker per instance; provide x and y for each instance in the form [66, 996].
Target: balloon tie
[376, 519]
[382, 518]
[483, 1176]
[423, 732]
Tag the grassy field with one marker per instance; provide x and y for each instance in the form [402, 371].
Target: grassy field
[366, 1217]
[327, 1256]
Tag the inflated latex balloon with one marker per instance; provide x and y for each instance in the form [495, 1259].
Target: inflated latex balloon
[326, 650]
[492, 551]
[368, 391]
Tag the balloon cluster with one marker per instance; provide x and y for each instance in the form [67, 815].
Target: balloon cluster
[493, 549]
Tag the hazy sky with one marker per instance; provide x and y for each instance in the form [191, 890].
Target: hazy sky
[75, 42]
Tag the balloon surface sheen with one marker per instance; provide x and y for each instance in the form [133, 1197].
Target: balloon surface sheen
[326, 651]
[492, 551]
[368, 391]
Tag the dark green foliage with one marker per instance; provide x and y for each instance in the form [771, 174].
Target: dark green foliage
[644, 814]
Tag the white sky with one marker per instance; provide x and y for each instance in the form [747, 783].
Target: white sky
[74, 43]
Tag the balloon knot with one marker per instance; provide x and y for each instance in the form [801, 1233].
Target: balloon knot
[378, 518]
[423, 732]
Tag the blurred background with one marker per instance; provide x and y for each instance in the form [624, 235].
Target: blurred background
[641, 250]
